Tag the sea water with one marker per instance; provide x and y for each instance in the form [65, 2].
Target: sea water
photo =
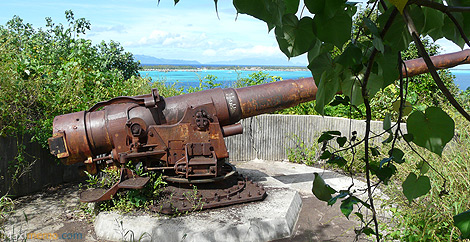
[190, 78]
[462, 78]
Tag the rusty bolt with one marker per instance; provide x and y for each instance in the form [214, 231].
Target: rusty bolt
[136, 129]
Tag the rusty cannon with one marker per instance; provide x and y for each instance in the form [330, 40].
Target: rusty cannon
[182, 137]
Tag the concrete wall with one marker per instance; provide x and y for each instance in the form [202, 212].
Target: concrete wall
[43, 169]
[268, 137]
[265, 137]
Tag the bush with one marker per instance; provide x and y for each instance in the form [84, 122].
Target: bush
[48, 72]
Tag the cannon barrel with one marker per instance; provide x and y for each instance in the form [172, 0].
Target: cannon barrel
[116, 126]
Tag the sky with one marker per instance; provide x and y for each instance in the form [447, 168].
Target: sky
[191, 30]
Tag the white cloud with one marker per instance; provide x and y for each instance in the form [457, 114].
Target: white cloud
[209, 52]
[257, 50]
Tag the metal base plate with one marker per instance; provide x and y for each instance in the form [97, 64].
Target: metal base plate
[194, 197]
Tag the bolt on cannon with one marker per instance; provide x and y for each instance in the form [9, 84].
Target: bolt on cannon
[182, 137]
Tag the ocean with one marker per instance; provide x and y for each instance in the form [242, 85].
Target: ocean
[462, 78]
[226, 78]
[185, 79]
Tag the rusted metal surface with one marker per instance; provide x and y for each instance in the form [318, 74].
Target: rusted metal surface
[195, 197]
[128, 180]
[270, 97]
[182, 137]
[417, 66]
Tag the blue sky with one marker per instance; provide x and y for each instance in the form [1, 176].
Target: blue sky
[190, 30]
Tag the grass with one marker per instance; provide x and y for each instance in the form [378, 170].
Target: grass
[430, 218]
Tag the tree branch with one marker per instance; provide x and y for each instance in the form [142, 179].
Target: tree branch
[430, 65]
[441, 7]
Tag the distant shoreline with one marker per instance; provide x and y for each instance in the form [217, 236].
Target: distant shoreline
[170, 68]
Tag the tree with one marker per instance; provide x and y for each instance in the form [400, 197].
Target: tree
[360, 62]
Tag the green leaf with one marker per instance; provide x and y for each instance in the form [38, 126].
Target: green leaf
[462, 222]
[327, 89]
[321, 190]
[377, 42]
[407, 107]
[270, 11]
[371, 26]
[387, 124]
[414, 187]
[347, 205]
[374, 151]
[423, 167]
[292, 6]
[351, 56]
[450, 32]
[328, 135]
[295, 37]
[432, 129]
[384, 172]
[408, 137]
[338, 160]
[327, 7]
[335, 30]
[400, 4]
[389, 139]
[341, 141]
[397, 155]
[325, 155]
[342, 194]
[368, 231]
[434, 21]
[387, 66]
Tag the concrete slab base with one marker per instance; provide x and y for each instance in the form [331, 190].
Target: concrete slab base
[273, 218]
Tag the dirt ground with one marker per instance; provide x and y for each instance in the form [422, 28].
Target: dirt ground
[53, 214]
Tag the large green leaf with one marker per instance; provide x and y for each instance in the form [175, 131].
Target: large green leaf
[326, 7]
[292, 6]
[462, 221]
[327, 89]
[432, 129]
[450, 32]
[434, 20]
[335, 30]
[348, 203]
[295, 37]
[270, 11]
[414, 187]
[321, 190]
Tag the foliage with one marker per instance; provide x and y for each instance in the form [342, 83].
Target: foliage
[52, 71]
[430, 217]
[255, 78]
[47, 72]
[208, 82]
[126, 200]
[360, 60]
[301, 152]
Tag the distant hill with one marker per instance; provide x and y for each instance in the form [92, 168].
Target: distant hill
[150, 60]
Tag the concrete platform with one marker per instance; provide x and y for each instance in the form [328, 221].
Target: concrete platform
[287, 185]
[271, 219]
